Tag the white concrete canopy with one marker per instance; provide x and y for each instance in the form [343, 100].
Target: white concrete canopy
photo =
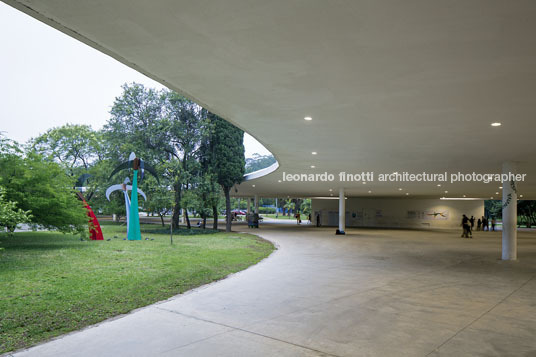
[390, 85]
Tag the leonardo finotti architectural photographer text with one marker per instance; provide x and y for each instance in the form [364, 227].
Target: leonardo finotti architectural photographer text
[370, 176]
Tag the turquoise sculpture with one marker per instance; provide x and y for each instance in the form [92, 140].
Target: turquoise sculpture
[133, 217]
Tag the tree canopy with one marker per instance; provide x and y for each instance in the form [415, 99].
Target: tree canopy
[226, 158]
[41, 188]
[198, 156]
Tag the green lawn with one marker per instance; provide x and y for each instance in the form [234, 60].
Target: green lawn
[52, 283]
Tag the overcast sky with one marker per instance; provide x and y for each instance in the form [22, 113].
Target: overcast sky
[48, 79]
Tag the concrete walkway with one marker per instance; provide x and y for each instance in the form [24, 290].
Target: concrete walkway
[369, 293]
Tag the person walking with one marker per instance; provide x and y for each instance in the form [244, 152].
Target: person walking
[493, 223]
[472, 221]
[309, 218]
[298, 218]
[478, 224]
[318, 219]
[465, 226]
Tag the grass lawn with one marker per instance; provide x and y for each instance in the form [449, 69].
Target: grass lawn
[52, 283]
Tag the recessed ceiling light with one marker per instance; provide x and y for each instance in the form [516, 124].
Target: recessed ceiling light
[308, 118]
[438, 185]
[278, 180]
[364, 182]
[313, 166]
[370, 192]
[520, 195]
[500, 187]
[400, 189]
[330, 190]
[446, 191]
[331, 194]
[464, 196]
[491, 197]
[496, 124]
[314, 153]
[496, 193]
[407, 193]
[252, 185]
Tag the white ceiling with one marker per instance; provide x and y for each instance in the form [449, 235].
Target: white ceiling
[390, 85]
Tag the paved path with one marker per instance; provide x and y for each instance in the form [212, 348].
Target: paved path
[370, 293]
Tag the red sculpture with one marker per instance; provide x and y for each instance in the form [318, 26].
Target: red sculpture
[95, 231]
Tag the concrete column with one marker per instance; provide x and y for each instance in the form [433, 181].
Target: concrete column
[509, 215]
[256, 203]
[342, 211]
[249, 204]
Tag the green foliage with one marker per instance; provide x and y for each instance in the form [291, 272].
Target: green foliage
[135, 125]
[73, 146]
[527, 212]
[208, 195]
[306, 206]
[43, 188]
[225, 155]
[289, 205]
[159, 198]
[493, 208]
[267, 210]
[165, 129]
[10, 215]
[259, 162]
[192, 153]
[227, 152]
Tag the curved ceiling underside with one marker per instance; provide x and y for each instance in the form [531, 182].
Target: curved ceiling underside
[391, 85]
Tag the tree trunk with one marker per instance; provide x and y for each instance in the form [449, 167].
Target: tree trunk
[215, 215]
[177, 209]
[162, 219]
[187, 219]
[227, 190]
[204, 221]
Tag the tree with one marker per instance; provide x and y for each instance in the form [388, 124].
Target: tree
[259, 162]
[10, 215]
[306, 206]
[290, 205]
[226, 158]
[159, 198]
[493, 208]
[161, 127]
[211, 189]
[184, 123]
[208, 198]
[135, 124]
[41, 187]
[75, 147]
[527, 210]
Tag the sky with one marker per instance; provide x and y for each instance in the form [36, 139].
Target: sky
[48, 79]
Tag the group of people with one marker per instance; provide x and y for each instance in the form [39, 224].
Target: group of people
[298, 218]
[482, 224]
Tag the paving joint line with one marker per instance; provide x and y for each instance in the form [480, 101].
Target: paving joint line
[247, 331]
[482, 315]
